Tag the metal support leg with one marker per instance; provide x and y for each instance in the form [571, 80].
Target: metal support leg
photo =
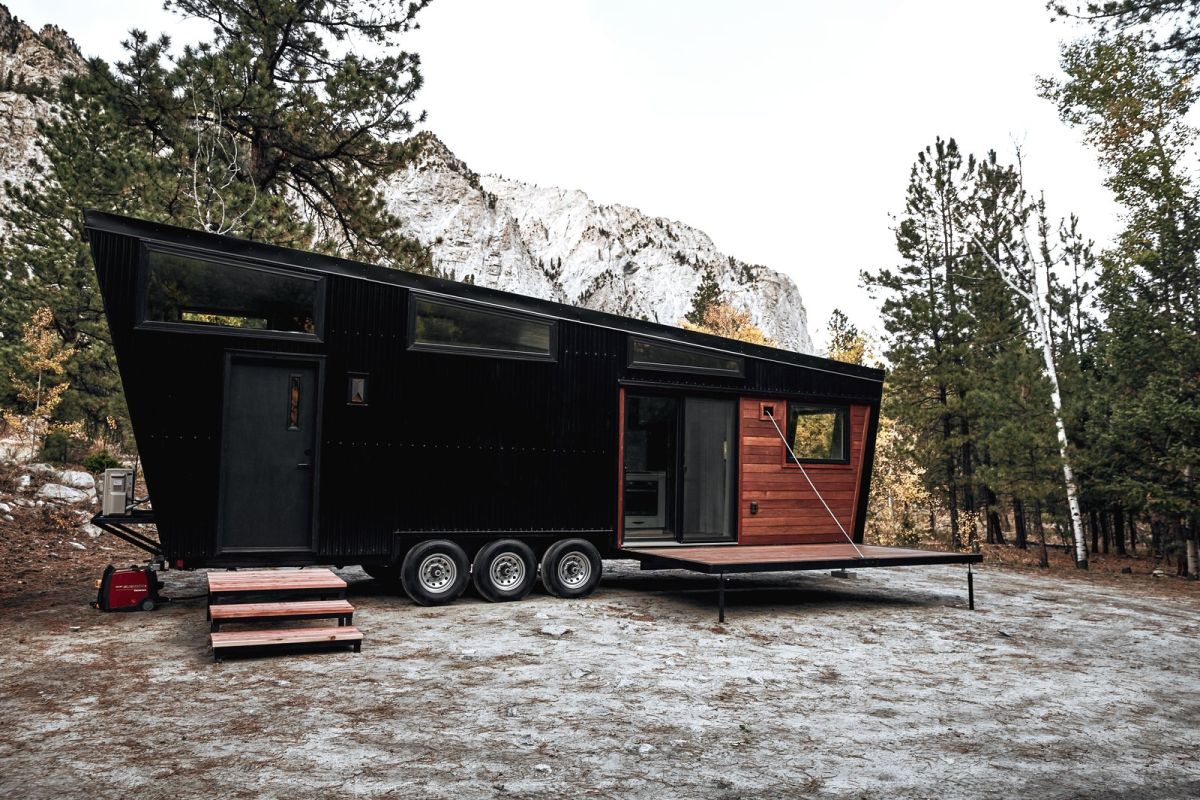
[721, 597]
[970, 588]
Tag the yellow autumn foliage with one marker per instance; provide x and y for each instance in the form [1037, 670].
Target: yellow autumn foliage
[722, 319]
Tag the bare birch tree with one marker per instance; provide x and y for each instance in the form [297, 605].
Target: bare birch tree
[1016, 260]
[221, 196]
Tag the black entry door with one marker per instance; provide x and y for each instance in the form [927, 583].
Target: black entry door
[708, 469]
[268, 455]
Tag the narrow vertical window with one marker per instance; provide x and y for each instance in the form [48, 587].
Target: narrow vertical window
[293, 418]
[356, 394]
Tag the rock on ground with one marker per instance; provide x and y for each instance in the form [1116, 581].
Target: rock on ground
[60, 493]
[77, 479]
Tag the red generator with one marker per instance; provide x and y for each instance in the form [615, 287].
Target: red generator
[131, 588]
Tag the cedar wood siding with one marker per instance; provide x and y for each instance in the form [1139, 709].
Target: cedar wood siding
[788, 510]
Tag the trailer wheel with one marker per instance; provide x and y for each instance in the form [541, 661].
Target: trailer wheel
[571, 568]
[435, 572]
[148, 604]
[504, 570]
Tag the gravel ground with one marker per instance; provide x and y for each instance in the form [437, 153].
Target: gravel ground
[882, 685]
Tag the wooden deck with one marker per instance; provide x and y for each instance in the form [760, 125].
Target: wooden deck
[728, 559]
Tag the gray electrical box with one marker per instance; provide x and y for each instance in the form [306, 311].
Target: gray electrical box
[117, 496]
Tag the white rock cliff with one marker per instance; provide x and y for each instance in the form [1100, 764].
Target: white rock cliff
[559, 245]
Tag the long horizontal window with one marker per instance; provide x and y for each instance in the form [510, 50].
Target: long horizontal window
[651, 354]
[453, 326]
[818, 433]
[191, 291]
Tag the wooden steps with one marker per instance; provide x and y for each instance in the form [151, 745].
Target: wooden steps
[343, 635]
[278, 595]
[341, 610]
[274, 582]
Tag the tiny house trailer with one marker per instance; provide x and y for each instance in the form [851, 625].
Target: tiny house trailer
[292, 408]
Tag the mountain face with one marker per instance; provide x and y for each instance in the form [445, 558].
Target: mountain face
[31, 65]
[559, 245]
[550, 243]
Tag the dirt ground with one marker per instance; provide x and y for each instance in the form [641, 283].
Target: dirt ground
[883, 685]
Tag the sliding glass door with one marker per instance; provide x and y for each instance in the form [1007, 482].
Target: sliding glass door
[679, 469]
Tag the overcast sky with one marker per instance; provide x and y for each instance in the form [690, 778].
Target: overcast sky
[785, 130]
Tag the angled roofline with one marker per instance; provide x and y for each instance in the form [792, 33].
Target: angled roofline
[290, 258]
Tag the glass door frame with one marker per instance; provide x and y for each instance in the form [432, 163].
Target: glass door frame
[676, 499]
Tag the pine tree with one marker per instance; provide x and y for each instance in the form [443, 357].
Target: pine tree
[846, 343]
[1133, 107]
[275, 129]
[1172, 27]
[707, 295]
[927, 324]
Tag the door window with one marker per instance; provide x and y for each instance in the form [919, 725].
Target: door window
[293, 416]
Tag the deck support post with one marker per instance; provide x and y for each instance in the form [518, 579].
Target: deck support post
[970, 588]
[721, 596]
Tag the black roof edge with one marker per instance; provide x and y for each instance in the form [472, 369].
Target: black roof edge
[319, 262]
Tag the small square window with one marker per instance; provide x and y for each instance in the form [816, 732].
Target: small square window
[818, 434]
[356, 389]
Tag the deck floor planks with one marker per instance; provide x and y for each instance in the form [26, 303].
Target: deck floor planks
[785, 557]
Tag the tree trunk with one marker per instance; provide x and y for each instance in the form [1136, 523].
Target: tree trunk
[1019, 523]
[1095, 528]
[994, 527]
[989, 535]
[1193, 554]
[1044, 560]
[1133, 533]
[1119, 530]
[991, 513]
[1180, 547]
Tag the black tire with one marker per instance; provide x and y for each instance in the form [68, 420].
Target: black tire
[148, 604]
[571, 568]
[435, 572]
[504, 570]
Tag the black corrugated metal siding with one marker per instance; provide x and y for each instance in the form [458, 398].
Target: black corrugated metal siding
[454, 444]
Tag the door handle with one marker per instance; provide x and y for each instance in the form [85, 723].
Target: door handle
[303, 466]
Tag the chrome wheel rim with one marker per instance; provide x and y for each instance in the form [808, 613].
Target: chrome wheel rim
[574, 569]
[507, 571]
[437, 573]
